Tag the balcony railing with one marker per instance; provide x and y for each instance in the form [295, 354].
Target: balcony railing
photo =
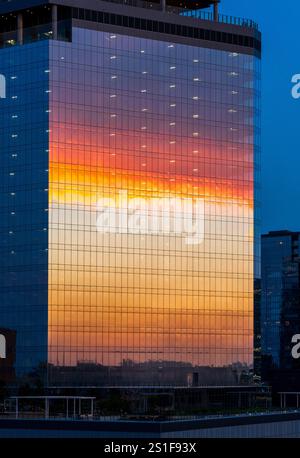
[223, 18]
[196, 14]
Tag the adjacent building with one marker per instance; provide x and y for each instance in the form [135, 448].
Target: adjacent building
[130, 143]
[280, 308]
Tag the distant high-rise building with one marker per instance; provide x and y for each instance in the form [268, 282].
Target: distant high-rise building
[280, 307]
[257, 329]
[129, 150]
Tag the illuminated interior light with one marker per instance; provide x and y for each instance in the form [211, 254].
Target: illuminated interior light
[113, 77]
[195, 97]
[172, 68]
[195, 134]
[171, 46]
[112, 37]
[143, 90]
[113, 57]
[144, 73]
[195, 61]
[112, 96]
[172, 123]
[172, 161]
[172, 142]
[172, 86]
[232, 110]
[195, 116]
[233, 74]
[172, 105]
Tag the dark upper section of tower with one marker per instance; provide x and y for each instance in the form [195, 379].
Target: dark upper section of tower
[195, 22]
[7, 6]
[12, 5]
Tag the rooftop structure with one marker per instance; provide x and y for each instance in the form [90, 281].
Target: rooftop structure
[201, 9]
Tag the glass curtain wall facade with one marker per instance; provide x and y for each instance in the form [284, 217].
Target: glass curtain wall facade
[24, 164]
[151, 209]
[128, 173]
[280, 297]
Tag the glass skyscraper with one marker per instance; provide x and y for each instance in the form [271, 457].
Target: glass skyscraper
[280, 298]
[129, 169]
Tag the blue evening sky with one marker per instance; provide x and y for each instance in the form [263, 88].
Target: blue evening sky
[280, 23]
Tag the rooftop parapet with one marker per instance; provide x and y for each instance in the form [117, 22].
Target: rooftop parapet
[205, 10]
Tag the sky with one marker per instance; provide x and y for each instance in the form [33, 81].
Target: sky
[279, 23]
